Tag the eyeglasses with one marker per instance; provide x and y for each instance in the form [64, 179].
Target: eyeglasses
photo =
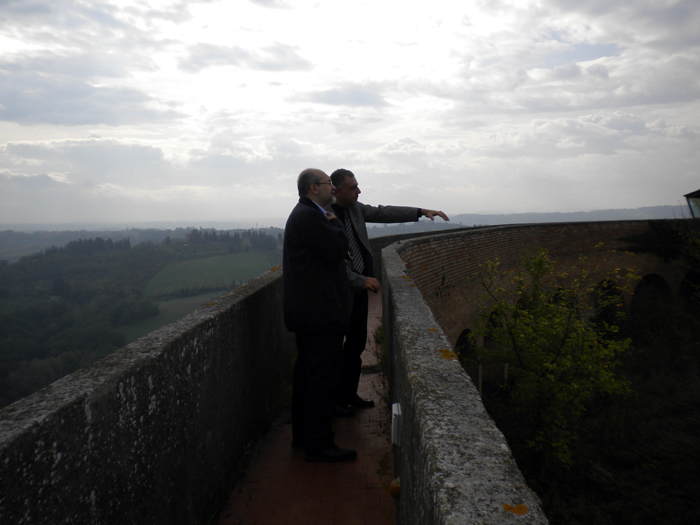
[325, 182]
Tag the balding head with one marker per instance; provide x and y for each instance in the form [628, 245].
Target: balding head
[306, 178]
[314, 184]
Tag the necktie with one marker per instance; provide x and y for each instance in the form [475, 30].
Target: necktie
[357, 262]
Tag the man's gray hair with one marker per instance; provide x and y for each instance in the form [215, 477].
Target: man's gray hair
[338, 177]
[305, 180]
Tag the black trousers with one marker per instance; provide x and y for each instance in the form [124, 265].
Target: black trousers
[316, 372]
[355, 341]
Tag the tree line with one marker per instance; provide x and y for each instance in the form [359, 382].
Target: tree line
[236, 241]
[61, 308]
[14, 244]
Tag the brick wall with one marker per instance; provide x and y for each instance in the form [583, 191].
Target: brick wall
[442, 266]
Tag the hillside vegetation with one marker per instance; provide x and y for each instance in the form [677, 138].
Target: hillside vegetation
[601, 410]
[64, 308]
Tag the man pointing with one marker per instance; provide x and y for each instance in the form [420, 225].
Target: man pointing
[354, 215]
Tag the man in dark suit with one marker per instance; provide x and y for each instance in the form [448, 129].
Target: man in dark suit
[354, 215]
[317, 305]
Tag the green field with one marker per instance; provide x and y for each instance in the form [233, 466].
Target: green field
[217, 274]
[221, 272]
[170, 311]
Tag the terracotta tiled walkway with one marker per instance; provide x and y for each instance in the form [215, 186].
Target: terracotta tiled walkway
[281, 488]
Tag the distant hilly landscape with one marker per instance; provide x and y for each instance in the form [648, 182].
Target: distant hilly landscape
[17, 240]
[474, 219]
[651, 212]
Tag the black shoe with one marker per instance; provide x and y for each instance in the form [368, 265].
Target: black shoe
[332, 454]
[358, 402]
[343, 411]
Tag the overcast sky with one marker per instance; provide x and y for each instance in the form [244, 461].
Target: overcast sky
[161, 110]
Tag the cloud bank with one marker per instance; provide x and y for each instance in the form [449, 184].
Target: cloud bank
[120, 110]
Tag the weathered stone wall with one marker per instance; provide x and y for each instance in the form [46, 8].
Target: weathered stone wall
[154, 432]
[454, 465]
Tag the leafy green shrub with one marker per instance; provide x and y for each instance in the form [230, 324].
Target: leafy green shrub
[561, 351]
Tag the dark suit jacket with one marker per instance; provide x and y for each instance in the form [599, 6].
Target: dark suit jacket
[317, 297]
[363, 213]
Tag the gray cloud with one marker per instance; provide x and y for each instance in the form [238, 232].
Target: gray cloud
[568, 53]
[663, 24]
[76, 14]
[54, 22]
[33, 181]
[30, 97]
[637, 78]
[277, 57]
[202, 56]
[89, 162]
[96, 63]
[348, 95]
[276, 4]
[220, 168]
[98, 41]
[567, 72]
[608, 55]
[178, 12]
[604, 134]
[122, 35]
[598, 70]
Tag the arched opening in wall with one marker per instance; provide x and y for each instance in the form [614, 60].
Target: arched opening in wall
[690, 293]
[664, 334]
[465, 346]
[608, 303]
[651, 293]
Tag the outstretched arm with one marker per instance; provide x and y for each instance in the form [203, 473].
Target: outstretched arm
[432, 213]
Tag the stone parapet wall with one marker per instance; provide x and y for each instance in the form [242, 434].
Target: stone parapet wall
[454, 465]
[155, 432]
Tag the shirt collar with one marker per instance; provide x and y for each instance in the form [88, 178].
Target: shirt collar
[319, 207]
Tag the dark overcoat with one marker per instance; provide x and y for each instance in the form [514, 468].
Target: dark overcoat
[317, 295]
